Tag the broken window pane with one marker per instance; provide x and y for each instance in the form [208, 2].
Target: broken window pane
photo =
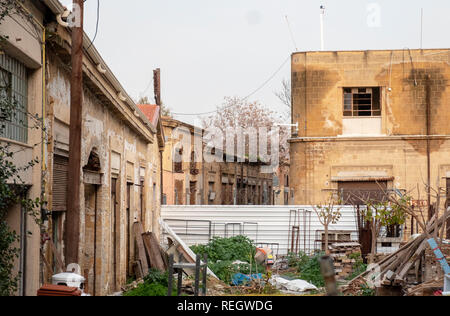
[362, 102]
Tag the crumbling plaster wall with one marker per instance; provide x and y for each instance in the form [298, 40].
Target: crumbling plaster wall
[105, 133]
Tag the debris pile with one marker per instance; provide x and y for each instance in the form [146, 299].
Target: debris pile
[345, 256]
[433, 271]
[426, 289]
[401, 269]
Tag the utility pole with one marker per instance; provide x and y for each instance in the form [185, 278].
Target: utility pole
[76, 102]
[157, 86]
[322, 40]
[157, 92]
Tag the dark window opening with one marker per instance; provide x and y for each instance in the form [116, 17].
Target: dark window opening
[178, 165]
[362, 102]
[193, 165]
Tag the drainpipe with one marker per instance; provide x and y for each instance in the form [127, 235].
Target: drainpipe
[43, 161]
[161, 176]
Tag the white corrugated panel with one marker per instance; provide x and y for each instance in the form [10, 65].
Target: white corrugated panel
[273, 224]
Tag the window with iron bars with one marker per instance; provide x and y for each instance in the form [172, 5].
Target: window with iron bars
[13, 99]
[362, 102]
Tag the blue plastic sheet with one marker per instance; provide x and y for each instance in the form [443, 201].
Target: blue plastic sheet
[242, 279]
[439, 255]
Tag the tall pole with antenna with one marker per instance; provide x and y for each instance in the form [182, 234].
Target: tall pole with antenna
[421, 28]
[322, 15]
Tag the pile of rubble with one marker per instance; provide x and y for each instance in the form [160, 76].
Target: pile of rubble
[345, 256]
[431, 270]
[402, 271]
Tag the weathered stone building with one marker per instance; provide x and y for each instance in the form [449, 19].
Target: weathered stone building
[121, 166]
[283, 194]
[369, 119]
[196, 181]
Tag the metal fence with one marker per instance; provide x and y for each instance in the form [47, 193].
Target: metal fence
[285, 229]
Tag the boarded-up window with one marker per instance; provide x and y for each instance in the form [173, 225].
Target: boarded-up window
[178, 162]
[356, 193]
[60, 183]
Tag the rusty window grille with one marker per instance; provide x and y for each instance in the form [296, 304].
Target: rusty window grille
[13, 99]
[362, 102]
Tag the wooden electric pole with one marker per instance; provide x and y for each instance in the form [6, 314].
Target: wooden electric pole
[157, 92]
[76, 101]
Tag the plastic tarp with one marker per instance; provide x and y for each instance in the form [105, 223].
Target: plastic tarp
[242, 279]
[292, 286]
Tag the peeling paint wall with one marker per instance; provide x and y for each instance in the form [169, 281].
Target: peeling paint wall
[123, 155]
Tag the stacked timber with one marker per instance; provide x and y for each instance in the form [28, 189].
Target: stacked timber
[395, 268]
[345, 256]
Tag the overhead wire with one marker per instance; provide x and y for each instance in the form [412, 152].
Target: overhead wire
[245, 98]
[97, 23]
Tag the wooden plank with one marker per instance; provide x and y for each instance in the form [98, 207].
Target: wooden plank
[59, 263]
[137, 268]
[166, 228]
[152, 248]
[138, 231]
[164, 257]
[186, 256]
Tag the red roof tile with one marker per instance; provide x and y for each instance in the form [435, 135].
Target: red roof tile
[151, 112]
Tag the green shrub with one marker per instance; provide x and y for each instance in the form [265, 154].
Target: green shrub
[155, 283]
[367, 291]
[309, 269]
[227, 249]
[222, 252]
[359, 267]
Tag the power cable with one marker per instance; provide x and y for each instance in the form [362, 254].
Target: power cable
[247, 97]
[96, 26]
[292, 34]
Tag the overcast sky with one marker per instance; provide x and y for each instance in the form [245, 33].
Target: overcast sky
[209, 49]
